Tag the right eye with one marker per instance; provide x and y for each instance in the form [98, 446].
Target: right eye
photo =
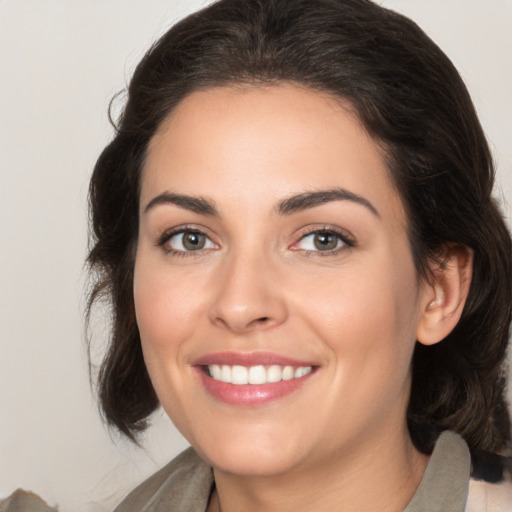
[187, 240]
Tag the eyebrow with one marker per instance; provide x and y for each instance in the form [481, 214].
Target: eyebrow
[308, 200]
[194, 204]
[288, 206]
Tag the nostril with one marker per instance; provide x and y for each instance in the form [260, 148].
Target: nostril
[262, 321]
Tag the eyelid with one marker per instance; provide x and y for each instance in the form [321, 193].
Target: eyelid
[347, 239]
[170, 233]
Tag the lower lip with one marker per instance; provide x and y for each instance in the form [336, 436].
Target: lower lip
[250, 395]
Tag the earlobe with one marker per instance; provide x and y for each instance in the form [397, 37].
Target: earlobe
[445, 294]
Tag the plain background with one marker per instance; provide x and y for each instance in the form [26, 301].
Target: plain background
[61, 62]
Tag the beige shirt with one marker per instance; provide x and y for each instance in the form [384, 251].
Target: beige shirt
[186, 483]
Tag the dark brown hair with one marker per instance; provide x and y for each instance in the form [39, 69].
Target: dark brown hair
[412, 101]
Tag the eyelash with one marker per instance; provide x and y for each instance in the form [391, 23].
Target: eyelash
[345, 238]
[168, 235]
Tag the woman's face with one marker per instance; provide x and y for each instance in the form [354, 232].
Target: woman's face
[273, 249]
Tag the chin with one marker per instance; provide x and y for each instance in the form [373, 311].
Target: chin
[256, 458]
[250, 463]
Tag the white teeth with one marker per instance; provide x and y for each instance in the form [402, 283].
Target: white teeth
[303, 370]
[259, 374]
[288, 373]
[225, 373]
[239, 375]
[274, 373]
[216, 371]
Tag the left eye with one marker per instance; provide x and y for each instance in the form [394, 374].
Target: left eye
[189, 241]
[323, 241]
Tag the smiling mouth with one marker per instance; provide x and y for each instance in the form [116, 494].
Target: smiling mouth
[252, 379]
[255, 375]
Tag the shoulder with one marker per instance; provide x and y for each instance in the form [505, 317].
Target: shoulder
[490, 486]
[456, 480]
[183, 485]
[24, 501]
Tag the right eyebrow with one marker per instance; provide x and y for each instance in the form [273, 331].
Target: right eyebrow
[194, 204]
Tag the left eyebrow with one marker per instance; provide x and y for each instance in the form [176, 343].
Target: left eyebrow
[308, 200]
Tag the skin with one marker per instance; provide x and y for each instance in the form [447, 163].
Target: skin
[259, 285]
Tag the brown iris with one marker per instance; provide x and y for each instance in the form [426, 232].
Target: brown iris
[325, 241]
[193, 241]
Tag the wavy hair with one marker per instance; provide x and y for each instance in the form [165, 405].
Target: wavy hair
[412, 101]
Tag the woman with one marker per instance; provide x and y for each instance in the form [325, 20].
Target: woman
[295, 227]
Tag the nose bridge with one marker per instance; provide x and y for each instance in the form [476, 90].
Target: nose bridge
[247, 296]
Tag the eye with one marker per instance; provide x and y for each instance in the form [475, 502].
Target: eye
[187, 240]
[322, 241]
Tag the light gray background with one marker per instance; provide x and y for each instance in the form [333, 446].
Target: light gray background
[60, 63]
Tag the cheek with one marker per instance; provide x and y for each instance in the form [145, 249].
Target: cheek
[370, 318]
[167, 312]
[166, 309]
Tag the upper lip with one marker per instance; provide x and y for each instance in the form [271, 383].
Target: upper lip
[249, 359]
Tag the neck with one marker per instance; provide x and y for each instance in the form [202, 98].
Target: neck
[382, 474]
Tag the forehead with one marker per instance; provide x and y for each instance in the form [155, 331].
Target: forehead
[248, 143]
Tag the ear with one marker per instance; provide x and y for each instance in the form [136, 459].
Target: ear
[444, 294]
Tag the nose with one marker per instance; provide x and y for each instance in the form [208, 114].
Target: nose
[248, 296]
